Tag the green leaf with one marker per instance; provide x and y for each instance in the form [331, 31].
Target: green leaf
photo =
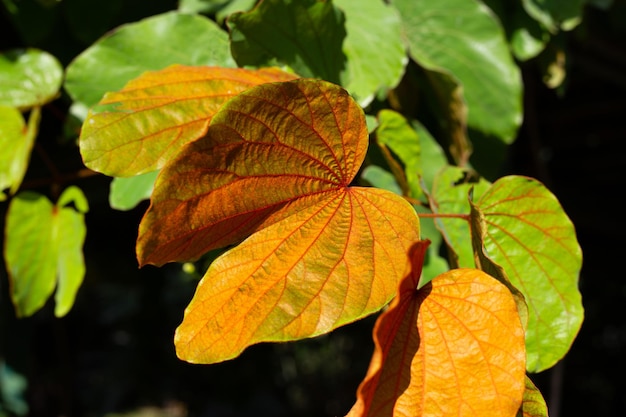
[531, 237]
[556, 14]
[28, 78]
[380, 178]
[16, 144]
[150, 44]
[375, 53]
[466, 39]
[450, 196]
[126, 193]
[306, 35]
[43, 249]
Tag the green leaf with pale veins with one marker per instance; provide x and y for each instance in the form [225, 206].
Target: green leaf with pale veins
[28, 78]
[150, 44]
[43, 250]
[531, 237]
[16, 143]
[464, 38]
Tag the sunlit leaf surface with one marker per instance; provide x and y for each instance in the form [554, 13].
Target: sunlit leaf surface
[306, 35]
[530, 236]
[466, 39]
[154, 115]
[276, 165]
[28, 78]
[453, 348]
[43, 250]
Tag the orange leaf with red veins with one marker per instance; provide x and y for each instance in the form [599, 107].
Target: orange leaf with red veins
[274, 169]
[270, 152]
[453, 348]
[146, 123]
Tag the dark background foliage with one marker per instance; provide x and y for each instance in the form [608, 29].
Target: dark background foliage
[114, 353]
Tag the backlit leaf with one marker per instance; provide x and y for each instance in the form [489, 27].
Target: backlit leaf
[530, 236]
[466, 39]
[16, 143]
[150, 44]
[265, 148]
[29, 78]
[275, 169]
[335, 261]
[455, 347]
[154, 115]
[43, 249]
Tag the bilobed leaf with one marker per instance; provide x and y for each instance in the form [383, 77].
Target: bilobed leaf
[16, 143]
[464, 38]
[154, 115]
[306, 35]
[43, 249]
[530, 236]
[28, 78]
[274, 169]
[150, 44]
[455, 347]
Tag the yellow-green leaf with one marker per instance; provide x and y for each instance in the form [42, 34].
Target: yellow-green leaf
[453, 348]
[137, 129]
[43, 250]
[527, 232]
[16, 143]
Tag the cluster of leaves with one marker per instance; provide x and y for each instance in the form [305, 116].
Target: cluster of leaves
[297, 142]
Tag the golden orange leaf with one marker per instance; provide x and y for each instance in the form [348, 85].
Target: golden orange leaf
[331, 263]
[273, 174]
[269, 152]
[146, 123]
[453, 348]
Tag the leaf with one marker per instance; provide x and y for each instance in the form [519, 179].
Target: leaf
[154, 115]
[454, 347]
[28, 78]
[533, 404]
[16, 143]
[317, 253]
[311, 137]
[43, 249]
[464, 38]
[450, 196]
[127, 193]
[530, 236]
[306, 35]
[373, 46]
[150, 44]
